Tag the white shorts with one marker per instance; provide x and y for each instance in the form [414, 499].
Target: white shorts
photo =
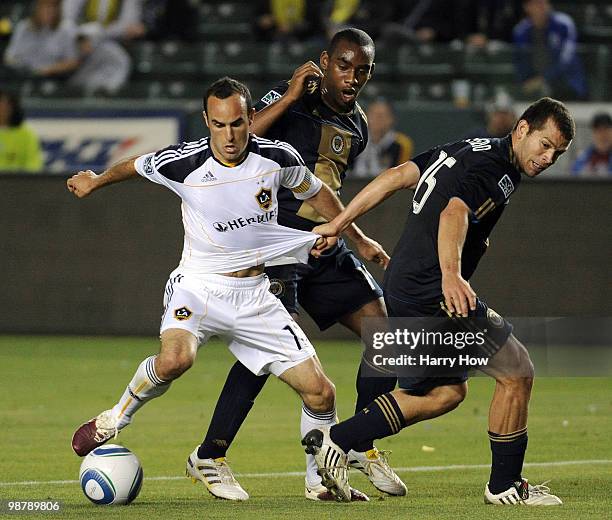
[260, 332]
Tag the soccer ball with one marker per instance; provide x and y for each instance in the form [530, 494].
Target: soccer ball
[111, 474]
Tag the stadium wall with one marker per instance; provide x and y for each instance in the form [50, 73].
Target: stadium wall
[99, 265]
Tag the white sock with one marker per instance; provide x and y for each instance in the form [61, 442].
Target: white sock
[311, 420]
[144, 386]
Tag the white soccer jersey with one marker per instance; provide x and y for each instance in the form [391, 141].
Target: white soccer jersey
[230, 213]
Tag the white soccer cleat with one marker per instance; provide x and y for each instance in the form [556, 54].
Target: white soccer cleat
[95, 433]
[374, 464]
[216, 475]
[331, 461]
[524, 494]
[322, 494]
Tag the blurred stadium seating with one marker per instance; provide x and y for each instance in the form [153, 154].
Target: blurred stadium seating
[404, 72]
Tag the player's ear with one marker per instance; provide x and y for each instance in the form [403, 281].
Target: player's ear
[324, 61]
[205, 117]
[372, 70]
[251, 116]
[522, 128]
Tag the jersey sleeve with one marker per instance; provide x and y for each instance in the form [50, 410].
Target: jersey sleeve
[272, 96]
[148, 166]
[295, 175]
[422, 159]
[172, 164]
[301, 181]
[482, 190]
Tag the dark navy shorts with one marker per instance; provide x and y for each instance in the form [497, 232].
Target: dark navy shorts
[495, 328]
[327, 288]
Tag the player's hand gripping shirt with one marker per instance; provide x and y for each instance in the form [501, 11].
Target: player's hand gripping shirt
[328, 142]
[230, 212]
[480, 172]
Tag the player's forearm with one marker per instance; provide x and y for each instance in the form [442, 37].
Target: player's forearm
[452, 231]
[118, 172]
[267, 116]
[326, 203]
[380, 189]
[329, 206]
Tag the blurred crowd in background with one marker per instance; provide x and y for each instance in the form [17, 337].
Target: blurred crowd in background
[96, 47]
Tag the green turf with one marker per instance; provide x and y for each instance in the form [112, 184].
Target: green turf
[49, 385]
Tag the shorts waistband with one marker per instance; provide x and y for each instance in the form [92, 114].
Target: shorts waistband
[248, 282]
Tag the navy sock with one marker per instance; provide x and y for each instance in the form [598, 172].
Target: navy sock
[508, 454]
[368, 389]
[381, 418]
[234, 404]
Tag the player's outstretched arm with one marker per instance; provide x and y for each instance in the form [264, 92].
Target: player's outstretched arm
[458, 294]
[267, 116]
[327, 204]
[85, 182]
[404, 176]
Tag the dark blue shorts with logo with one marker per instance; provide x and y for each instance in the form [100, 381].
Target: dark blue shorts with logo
[327, 288]
[494, 327]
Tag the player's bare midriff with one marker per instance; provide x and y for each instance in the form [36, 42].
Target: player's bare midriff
[245, 273]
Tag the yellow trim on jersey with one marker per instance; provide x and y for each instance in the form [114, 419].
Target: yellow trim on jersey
[485, 203]
[329, 165]
[269, 172]
[230, 164]
[303, 187]
[485, 208]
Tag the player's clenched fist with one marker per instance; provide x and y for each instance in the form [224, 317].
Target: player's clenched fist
[82, 184]
[323, 244]
[300, 79]
[329, 229]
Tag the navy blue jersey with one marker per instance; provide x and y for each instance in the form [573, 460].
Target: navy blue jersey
[327, 141]
[480, 172]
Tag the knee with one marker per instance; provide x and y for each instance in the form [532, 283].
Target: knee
[323, 400]
[521, 378]
[173, 364]
[450, 397]
[516, 385]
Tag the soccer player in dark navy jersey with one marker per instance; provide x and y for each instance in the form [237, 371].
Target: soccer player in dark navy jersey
[317, 113]
[461, 190]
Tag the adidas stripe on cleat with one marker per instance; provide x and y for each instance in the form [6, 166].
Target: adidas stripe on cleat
[216, 475]
[331, 461]
[524, 494]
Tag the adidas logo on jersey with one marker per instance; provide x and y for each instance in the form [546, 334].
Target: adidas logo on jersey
[208, 177]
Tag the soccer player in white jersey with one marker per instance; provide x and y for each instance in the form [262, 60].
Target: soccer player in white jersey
[228, 185]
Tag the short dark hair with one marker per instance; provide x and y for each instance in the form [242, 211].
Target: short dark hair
[17, 115]
[226, 87]
[352, 35]
[547, 108]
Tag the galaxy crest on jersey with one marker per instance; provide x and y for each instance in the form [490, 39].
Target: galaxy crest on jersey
[329, 143]
[230, 213]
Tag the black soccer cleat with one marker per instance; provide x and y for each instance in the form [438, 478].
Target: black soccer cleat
[313, 441]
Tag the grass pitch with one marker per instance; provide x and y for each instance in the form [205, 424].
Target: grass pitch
[49, 385]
